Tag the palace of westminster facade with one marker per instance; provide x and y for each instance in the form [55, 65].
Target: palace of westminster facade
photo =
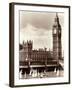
[28, 56]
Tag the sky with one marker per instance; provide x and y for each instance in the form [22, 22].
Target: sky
[37, 26]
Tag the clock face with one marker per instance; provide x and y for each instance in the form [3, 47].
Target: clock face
[54, 31]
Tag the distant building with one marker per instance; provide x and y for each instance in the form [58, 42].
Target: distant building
[28, 54]
[57, 48]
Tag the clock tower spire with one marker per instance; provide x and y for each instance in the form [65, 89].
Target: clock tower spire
[56, 32]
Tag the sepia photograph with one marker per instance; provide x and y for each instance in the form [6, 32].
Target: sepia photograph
[41, 46]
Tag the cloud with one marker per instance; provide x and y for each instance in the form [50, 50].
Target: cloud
[43, 20]
[41, 38]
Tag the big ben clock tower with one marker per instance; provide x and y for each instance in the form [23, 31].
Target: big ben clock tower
[56, 31]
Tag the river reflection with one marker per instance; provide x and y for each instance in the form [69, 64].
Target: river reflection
[34, 73]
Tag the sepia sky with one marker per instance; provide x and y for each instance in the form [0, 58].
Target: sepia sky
[37, 26]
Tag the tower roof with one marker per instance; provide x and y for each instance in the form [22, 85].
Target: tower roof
[56, 21]
[57, 18]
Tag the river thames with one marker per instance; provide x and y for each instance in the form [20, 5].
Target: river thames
[34, 74]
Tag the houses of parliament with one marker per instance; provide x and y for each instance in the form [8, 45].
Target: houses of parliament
[42, 58]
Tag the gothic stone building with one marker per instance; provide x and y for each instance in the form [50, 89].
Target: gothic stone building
[41, 58]
[35, 57]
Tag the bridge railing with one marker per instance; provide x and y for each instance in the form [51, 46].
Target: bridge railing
[26, 63]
